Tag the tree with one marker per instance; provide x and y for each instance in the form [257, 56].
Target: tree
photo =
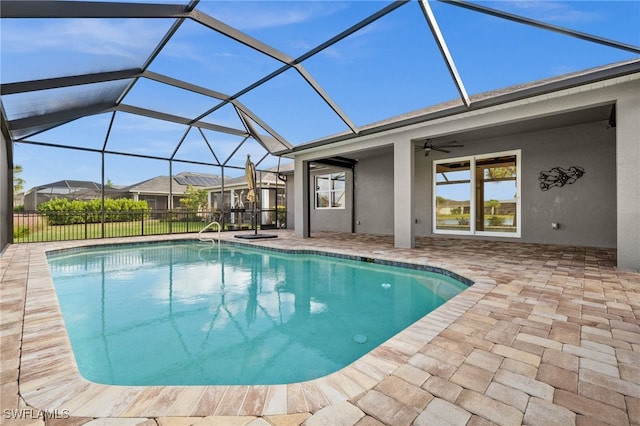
[500, 173]
[194, 199]
[18, 182]
[493, 205]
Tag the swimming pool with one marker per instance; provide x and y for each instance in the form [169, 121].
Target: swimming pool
[187, 313]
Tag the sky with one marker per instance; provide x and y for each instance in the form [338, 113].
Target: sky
[388, 68]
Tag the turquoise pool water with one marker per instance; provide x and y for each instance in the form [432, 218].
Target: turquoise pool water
[187, 313]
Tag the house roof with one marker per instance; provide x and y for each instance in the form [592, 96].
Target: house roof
[486, 99]
[164, 185]
[71, 185]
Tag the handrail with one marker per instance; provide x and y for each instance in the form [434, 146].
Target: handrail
[207, 227]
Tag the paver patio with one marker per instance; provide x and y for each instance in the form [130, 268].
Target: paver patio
[546, 335]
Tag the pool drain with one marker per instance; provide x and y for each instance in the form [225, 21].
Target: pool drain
[360, 338]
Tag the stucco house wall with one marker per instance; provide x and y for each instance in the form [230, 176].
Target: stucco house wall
[590, 125]
[585, 210]
[290, 200]
[339, 220]
[374, 195]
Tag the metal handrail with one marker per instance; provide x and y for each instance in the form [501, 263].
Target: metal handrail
[207, 227]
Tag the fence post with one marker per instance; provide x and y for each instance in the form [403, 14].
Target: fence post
[142, 221]
[85, 224]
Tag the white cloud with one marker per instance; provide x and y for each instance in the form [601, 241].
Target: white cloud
[260, 15]
[553, 12]
[129, 38]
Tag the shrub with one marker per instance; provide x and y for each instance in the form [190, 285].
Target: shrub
[496, 221]
[463, 221]
[282, 213]
[61, 211]
[20, 231]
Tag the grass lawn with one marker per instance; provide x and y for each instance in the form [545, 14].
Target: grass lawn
[39, 231]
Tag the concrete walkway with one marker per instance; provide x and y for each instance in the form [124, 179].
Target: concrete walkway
[547, 335]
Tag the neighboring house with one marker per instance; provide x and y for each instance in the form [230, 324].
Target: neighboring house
[154, 191]
[231, 201]
[570, 144]
[69, 189]
[163, 192]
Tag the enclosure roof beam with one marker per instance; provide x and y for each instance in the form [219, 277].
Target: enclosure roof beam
[325, 96]
[75, 80]
[288, 62]
[527, 21]
[239, 36]
[184, 85]
[89, 9]
[177, 119]
[444, 50]
[57, 117]
[124, 154]
[246, 114]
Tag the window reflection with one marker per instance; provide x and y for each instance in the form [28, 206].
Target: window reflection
[453, 192]
[330, 191]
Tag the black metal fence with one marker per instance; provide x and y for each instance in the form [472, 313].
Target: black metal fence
[32, 226]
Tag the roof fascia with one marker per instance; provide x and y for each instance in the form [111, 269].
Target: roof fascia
[517, 95]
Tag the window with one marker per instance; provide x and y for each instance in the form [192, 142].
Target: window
[330, 191]
[478, 195]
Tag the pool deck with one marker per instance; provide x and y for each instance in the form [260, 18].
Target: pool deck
[547, 335]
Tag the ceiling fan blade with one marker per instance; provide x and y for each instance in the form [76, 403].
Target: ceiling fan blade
[440, 149]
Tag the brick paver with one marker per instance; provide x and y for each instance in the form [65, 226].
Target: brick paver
[547, 335]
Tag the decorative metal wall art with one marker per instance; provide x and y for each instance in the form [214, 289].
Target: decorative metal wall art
[559, 177]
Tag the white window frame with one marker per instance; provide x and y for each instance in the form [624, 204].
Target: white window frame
[472, 195]
[331, 192]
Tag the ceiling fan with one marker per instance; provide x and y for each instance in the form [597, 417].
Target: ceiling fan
[429, 146]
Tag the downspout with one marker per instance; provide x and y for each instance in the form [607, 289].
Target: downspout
[353, 199]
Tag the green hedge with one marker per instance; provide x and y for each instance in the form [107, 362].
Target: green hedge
[61, 211]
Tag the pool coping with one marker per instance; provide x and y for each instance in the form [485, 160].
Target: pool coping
[49, 378]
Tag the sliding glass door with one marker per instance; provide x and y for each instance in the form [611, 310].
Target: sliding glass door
[478, 195]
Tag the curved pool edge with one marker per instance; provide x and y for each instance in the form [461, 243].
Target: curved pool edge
[49, 378]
